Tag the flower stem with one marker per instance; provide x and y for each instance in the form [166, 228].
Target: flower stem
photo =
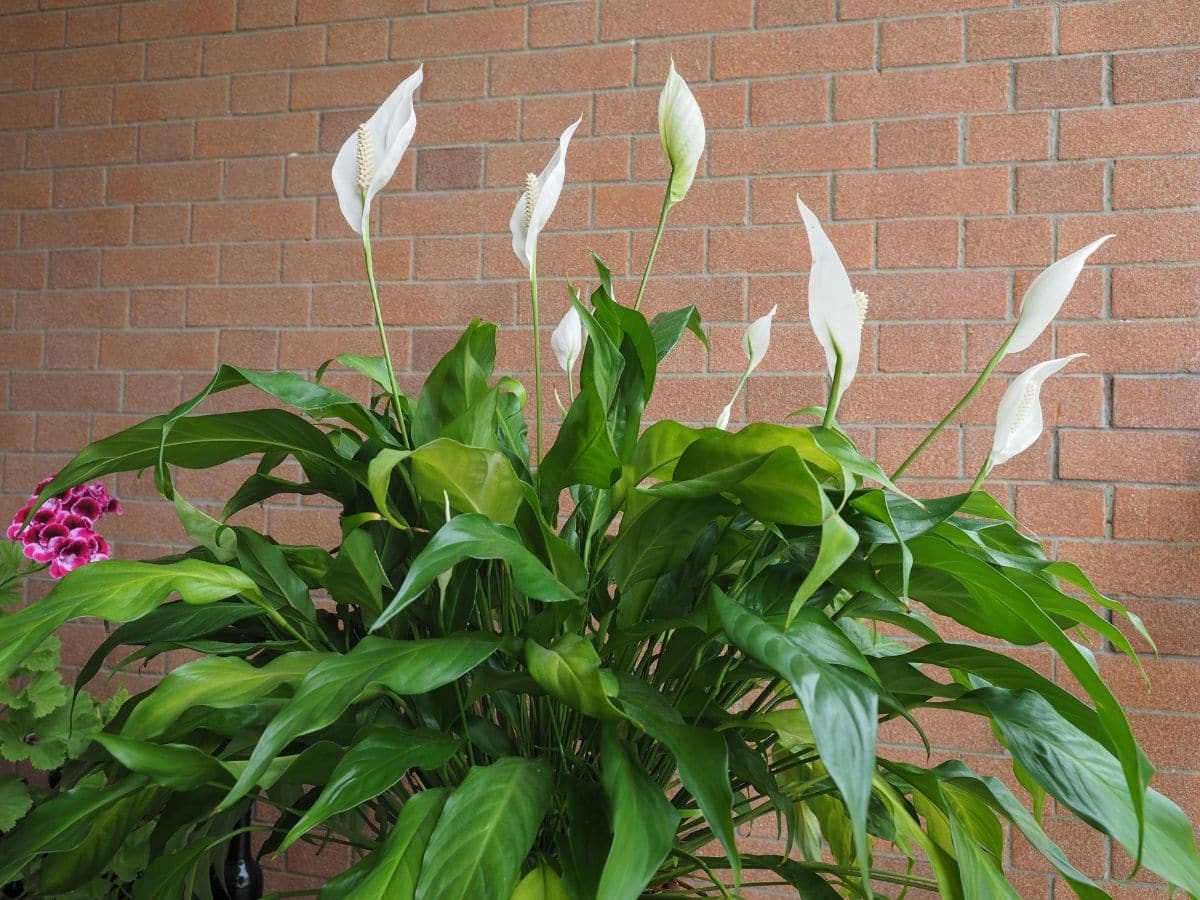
[958, 407]
[834, 391]
[984, 470]
[393, 388]
[537, 357]
[662, 223]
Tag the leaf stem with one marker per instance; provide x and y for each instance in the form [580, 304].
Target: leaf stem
[537, 356]
[662, 223]
[834, 390]
[958, 407]
[393, 388]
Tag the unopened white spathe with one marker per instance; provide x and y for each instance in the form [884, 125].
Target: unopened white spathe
[567, 339]
[758, 339]
[1046, 295]
[538, 200]
[681, 127]
[834, 311]
[369, 157]
[1019, 417]
[723, 419]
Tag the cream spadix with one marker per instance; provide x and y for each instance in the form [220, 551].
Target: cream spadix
[681, 127]
[368, 159]
[1019, 417]
[1046, 295]
[538, 200]
[834, 310]
[567, 340]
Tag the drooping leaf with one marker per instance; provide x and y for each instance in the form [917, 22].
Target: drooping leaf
[476, 480]
[570, 670]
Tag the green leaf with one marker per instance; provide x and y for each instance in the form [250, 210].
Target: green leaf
[218, 682]
[378, 758]
[458, 380]
[476, 480]
[331, 686]
[392, 869]
[116, 590]
[175, 874]
[472, 536]
[485, 831]
[373, 367]
[842, 711]
[356, 576]
[179, 767]
[263, 560]
[838, 541]
[571, 672]
[541, 883]
[644, 822]
[206, 531]
[583, 452]
[14, 800]
[668, 329]
[602, 361]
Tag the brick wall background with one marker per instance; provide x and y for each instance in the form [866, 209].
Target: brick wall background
[165, 205]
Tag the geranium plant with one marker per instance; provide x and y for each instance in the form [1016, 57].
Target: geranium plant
[576, 672]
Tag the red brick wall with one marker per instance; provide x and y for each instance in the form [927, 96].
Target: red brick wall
[165, 205]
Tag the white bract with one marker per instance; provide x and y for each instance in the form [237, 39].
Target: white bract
[567, 339]
[757, 339]
[369, 157]
[723, 419]
[538, 200]
[681, 127]
[1046, 295]
[834, 309]
[1019, 417]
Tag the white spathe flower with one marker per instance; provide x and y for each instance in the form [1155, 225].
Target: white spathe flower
[723, 419]
[681, 127]
[538, 200]
[369, 157]
[1046, 295]
[757, 339]
[1019, 417]
[567, 339]
[834, 309]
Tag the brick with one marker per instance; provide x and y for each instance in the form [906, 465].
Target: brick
[357, 42]
[253, 178]
[556, 71]
[631, 18]
[88, 65]
[979, 191]
[800, 149]
[81, 147]
[1151, 293]
[870, 9]
[74, 268]
[266, 13]
[917, 42]
[449, 167]
[563, 24]
[448, 258]
[158, 265]
[1060, 187]
[916, 142]
[836, 48]
[1163, 75]
[454, 79]
[165, 141]
[73, 309]
[257, 136]
[1057, 83]
[269, 220]
[1009, 34]
[788, 101]
[470, 121]
[174, 58]
[250, 263]
[65, 391]
[782, 248]
[37, 31]
[922, 92]
[161, 223]
[159, 350]
[176, 18]
[16, 71]
[23, 271]
[1141, 237]
[260, 51]
[637, 205]
[447, 35]
[85, 106]
[344, 10]
[170, 100]
[1149, 183]
[1127, 24]
[773, 200]
[1009, 137]
[1062, 510]
[165, 181]
[59, 228]
[25, 190]
[1169, 458]
[157, 308]
[1024, 241]
[928, 243]
[1137, 569]
[25, 111]
[342, 261]
[1136, 347]
[1140, 402]
[92, 26]
[920, 348]
[274, 305]
[1154, 514]
[772, 13]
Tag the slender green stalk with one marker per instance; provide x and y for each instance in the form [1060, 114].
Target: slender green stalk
[835, 391]
[662, 223]
[393, 387]
[537, 356]
[983, 473]
[958, 407]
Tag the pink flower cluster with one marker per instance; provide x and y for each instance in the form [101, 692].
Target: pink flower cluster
[61, 532]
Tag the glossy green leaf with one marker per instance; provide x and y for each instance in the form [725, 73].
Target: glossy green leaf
[541, 883]
[65, 871]
[356, 576]
[378, 758]
[668, 328]
[570, 670]
[838, 541]
[263, 560]
[457, 381]
[179, 767]
[331, 686]
[476, 480]
[485, 831]
[206, 531]
[583, 451]
[644, 822]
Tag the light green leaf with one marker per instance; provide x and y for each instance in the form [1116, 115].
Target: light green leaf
[542, 883]
[14, 800]
[476, 480]
[571, 672]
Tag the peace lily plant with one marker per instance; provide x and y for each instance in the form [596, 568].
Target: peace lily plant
[577, 673]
